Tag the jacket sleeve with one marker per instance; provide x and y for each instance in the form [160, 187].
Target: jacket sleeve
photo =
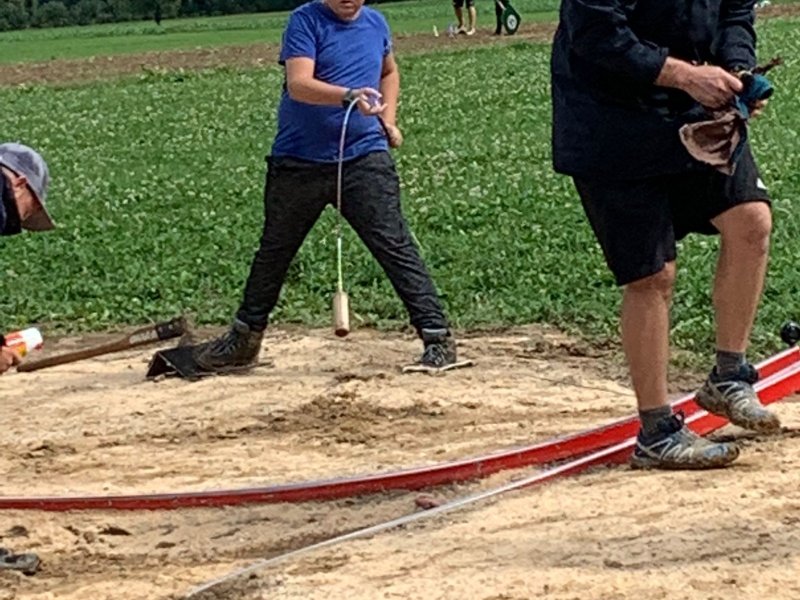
[599, 32]
[735, 46]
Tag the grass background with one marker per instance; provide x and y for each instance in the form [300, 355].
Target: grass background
[157, 185]
[418, 16]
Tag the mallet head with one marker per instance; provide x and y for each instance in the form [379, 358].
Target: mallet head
[341, 314]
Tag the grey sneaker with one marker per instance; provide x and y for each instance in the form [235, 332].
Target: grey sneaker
[736, 400]
[675, 446]
[440, 349]
[238, 347]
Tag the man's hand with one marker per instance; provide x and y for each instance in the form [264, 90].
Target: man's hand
[369, 101]
[394, 135]
[710, 86]
[8, 359]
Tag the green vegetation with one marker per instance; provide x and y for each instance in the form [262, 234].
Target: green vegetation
[20, 14]
[157, 190]
[417, 16]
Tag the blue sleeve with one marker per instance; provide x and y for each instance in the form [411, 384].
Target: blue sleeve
[299, 39]
[387, 37]
[735, 46]
[599, 32]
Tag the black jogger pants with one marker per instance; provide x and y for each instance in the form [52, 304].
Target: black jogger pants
[296, 193]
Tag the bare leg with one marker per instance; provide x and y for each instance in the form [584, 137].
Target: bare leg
[742, 264]
[459, 16]
[740, 273]
[645, 335]
[473, 18]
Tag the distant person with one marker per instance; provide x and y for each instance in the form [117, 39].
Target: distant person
[334, 52]
[498, 15]
[24, 179]
[458, 7]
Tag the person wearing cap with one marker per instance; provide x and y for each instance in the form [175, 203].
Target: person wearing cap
[24, 179]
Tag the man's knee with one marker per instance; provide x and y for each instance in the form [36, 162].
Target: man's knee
[748, 225]
[661, 282]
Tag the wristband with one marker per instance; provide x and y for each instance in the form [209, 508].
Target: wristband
[348, 98]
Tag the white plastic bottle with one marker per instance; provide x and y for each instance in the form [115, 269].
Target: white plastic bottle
[23, 342]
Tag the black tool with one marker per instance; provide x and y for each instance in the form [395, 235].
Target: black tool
[790, 333]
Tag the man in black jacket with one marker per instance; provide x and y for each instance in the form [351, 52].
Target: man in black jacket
[626, 75]
[24, 179]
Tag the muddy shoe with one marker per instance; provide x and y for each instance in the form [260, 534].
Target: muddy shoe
[736, 400]
[439, 354]
[238, 347]
[675, 446]
[440, 348]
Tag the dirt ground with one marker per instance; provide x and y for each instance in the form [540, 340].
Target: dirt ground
[328, 407]
[73, 71]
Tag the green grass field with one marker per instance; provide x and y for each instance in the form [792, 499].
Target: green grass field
[417, 16]
[157, 186]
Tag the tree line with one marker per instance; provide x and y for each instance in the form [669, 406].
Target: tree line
[21, 14]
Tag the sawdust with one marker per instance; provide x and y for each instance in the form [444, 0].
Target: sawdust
[98, 427]
[616, 534]
[331, 408]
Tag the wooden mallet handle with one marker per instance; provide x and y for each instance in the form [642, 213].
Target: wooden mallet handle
[146, 335]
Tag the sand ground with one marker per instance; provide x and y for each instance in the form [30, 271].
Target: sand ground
[330, 408]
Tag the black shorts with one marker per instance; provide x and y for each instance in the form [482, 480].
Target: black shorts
[638, 222]
[460, 3]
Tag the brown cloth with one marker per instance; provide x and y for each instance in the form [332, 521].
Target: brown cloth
[719, 142]
[715, 142]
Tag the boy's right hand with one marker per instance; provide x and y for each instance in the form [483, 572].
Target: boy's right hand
[369, 101]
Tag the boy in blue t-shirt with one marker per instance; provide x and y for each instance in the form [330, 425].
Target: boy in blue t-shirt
[334, 52]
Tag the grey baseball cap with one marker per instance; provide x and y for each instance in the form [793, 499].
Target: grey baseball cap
[27, 162]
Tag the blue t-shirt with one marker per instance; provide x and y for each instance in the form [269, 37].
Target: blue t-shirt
[346, 53]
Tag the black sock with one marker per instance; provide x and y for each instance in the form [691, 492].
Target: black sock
[652, 417]
[729, 363]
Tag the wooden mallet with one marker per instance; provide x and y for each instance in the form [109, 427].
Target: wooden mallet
[141, 337]
[341, 303]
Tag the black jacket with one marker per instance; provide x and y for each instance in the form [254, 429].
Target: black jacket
[609, 120]
[9, 217]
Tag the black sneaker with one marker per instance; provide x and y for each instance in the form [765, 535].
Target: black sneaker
[675, 446]
[440, 349]
[735, 399]
[238, 347]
